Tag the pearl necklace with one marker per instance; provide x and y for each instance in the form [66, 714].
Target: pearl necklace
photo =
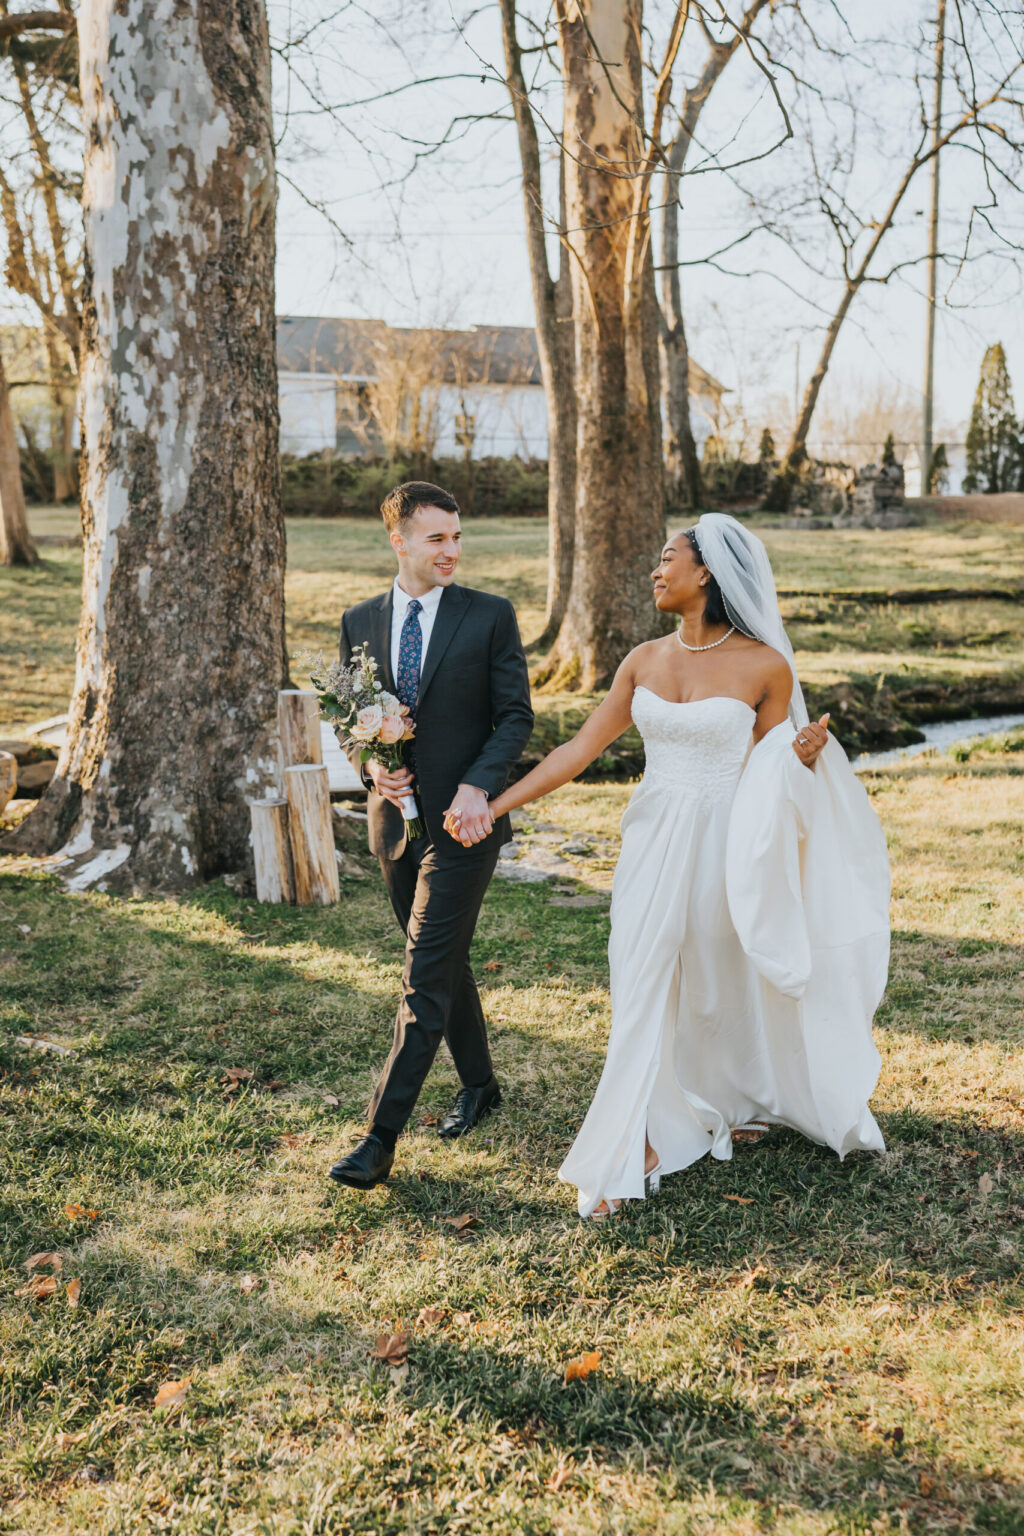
[682, 642]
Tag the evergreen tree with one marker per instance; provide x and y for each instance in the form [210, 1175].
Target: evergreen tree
[993, 437]
[938, 474]
[766, 447]
[889, 451]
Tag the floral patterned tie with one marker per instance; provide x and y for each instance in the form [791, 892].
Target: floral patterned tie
[410, 654]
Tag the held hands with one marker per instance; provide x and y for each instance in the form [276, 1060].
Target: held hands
[809, 741]
[392, 783]
[468, 819]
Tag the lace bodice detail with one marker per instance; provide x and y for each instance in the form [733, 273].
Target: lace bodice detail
[696, 749]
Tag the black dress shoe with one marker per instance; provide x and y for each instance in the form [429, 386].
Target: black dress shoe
[367, 1165]
[470, 1107]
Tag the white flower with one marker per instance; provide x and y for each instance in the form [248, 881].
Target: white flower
[368, 722]
[389, 704]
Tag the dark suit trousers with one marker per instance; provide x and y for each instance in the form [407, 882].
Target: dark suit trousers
[436, 894]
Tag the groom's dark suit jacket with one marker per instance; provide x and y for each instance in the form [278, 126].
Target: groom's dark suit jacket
[473, 715]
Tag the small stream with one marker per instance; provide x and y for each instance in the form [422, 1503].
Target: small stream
[938, 737]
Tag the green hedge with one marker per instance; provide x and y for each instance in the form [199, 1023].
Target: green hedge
[317, 486]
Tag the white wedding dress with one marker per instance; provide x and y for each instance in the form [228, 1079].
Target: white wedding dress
[748, 950]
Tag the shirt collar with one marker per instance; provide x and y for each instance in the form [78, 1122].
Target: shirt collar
[428, 602]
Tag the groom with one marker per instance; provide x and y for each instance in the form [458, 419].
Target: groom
[454, 656]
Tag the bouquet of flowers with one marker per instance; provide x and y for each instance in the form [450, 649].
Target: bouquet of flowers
[356, 703]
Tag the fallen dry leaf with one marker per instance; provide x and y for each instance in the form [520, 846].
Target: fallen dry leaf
[248, 1283]
[392, 1348]
[748, 1280]
[740, 1199]
[493, 965]
[294, 1138]
[51, 1260]
[985, 1184]
[462, 1223]
[172, 1393]
[463, 1319]
[237, 1074]
[429, 1119]
[429, 1317]
[330, 1099]
[74, 1291]
[560, 1476]
[39, 1287]
[80, 1212]
[273, 1085]
[579, 1370]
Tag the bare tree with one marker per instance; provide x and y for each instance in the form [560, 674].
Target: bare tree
[16, 546]
[986, 121]
[180, 647]
[682, 465]
[552, 302]
[40, 192]
[405, 392]
[610, 161]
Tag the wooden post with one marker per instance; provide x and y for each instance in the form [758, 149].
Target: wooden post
[272, 854]
[311, 835]
[298, 725]
[8, 777]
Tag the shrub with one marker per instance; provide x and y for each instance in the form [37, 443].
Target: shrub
[324, 486]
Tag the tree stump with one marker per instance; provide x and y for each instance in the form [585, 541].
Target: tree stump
[272, 854]
[8, 777]
[298, 725]
[311, 835]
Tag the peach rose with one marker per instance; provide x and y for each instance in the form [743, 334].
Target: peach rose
[392, 729]
[368, 723]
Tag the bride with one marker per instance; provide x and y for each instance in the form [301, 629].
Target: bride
[749, 919]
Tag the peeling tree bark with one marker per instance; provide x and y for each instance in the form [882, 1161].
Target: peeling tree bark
[16, 546]
[180, 648]
[619, 496]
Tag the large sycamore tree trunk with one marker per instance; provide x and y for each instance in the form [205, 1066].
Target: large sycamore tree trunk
[552, 302]
[619, 498]
[180, 648]
[16, 546]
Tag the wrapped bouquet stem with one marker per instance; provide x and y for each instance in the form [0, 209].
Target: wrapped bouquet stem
[358, 706]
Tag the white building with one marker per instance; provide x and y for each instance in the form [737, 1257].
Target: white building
[480, 387]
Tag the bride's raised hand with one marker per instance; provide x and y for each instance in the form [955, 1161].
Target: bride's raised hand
[810, 740]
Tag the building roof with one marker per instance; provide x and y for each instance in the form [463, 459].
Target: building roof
[353, 349]
[483, 354]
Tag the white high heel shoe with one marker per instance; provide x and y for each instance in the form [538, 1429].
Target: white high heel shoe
[652, 1179]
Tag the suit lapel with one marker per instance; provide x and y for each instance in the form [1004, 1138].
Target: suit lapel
[380, 638]
[451, 611]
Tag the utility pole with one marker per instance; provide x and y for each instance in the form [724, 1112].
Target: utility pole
[933, 261]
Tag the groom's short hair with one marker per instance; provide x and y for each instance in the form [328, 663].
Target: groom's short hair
[405, 500]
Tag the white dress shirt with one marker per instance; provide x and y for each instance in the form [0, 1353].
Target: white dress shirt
[427, 614]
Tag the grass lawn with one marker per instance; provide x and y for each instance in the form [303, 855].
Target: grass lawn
[880, 668]
[786, 1343]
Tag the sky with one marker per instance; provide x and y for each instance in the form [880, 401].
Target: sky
[438, 238]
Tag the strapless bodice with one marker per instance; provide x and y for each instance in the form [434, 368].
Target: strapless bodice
[696, 749]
